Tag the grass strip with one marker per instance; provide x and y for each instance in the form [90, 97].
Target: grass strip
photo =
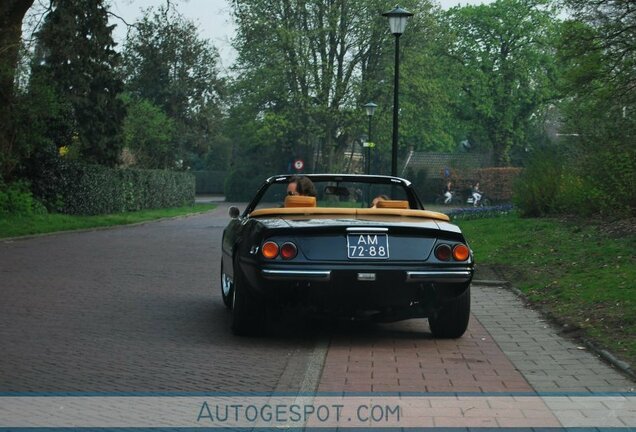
[583, 273]
[20, 225]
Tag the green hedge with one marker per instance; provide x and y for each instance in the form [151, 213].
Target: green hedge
[100, 190]
[73, 188]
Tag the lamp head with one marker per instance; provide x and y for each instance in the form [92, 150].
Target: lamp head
[370, 107]
[397, 19]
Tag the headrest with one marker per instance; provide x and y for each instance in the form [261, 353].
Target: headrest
[393, 204]
[300, 201]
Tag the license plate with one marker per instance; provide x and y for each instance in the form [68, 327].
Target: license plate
[368, 246]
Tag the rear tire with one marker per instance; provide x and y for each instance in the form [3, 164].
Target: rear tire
[248, 317]
[451, 320]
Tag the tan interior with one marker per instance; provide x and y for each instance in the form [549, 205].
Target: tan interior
[300, 201]
[355, 212]
[392, 204]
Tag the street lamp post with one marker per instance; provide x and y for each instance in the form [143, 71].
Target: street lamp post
[397, 22]
[370, 107]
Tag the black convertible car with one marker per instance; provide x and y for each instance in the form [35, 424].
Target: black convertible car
[334, 255]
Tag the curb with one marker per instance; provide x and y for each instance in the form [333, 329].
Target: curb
[593, 347]
[486, 282]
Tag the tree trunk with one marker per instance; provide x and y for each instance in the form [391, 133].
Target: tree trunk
[11, 15]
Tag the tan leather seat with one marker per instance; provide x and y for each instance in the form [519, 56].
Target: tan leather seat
[393, 204]
[300, 201]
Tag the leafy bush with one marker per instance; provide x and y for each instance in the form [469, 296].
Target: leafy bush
[610, 173]
[209, 182]
[73, 188]
[241, 185]
[537, 188]
[498, 182]
[582, 179]
[100, 190]
[16, 199]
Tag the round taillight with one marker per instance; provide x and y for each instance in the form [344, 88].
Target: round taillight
[443, 252]
[269, 250]
[288, 251]
[461, 252]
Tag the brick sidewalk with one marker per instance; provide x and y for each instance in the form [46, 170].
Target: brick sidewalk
[404, 357]
[515, 350]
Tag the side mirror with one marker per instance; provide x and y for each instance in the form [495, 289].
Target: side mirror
[234, 212]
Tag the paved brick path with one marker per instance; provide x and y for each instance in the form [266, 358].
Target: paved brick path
[404, 357]
[133, 309]
[548, 361]
[138, 309]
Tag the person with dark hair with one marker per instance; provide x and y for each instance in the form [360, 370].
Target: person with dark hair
[301, 185]
[374, 203]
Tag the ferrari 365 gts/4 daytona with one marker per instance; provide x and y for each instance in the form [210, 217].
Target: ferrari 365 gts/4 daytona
[334, 255]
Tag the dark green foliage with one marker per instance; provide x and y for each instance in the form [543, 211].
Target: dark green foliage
[100, 190]
[505, 63]
[76, 56]
[47, 173]
[537, 188]
[426, 188]
[209, 182]
[16, 199]
[171, 71]
[597, 51]
[11, 14]
[74, 188]
[149, 134]
[241, 184]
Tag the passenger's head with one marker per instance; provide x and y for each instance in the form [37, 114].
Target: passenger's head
[374, 203]
[301, 185]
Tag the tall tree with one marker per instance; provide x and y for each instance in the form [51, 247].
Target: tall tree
[604, 30]
[598, 51]
[304, 61]
[504, 55]
[11, 15]
[76, 55]
[167, 63]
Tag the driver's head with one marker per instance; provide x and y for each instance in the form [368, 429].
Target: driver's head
[301, 185]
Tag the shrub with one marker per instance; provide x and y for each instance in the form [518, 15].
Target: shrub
[74, 188]
[609, 170]
[537, 188]
[498, 183]
[101, 190]
[209, 182]
[241, 185]
[16, 199]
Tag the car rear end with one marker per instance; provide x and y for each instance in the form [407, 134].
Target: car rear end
[388, 271]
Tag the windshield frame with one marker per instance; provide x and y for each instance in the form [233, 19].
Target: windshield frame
[414, 201]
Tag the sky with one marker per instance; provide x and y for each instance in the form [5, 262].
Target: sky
[212, 17]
